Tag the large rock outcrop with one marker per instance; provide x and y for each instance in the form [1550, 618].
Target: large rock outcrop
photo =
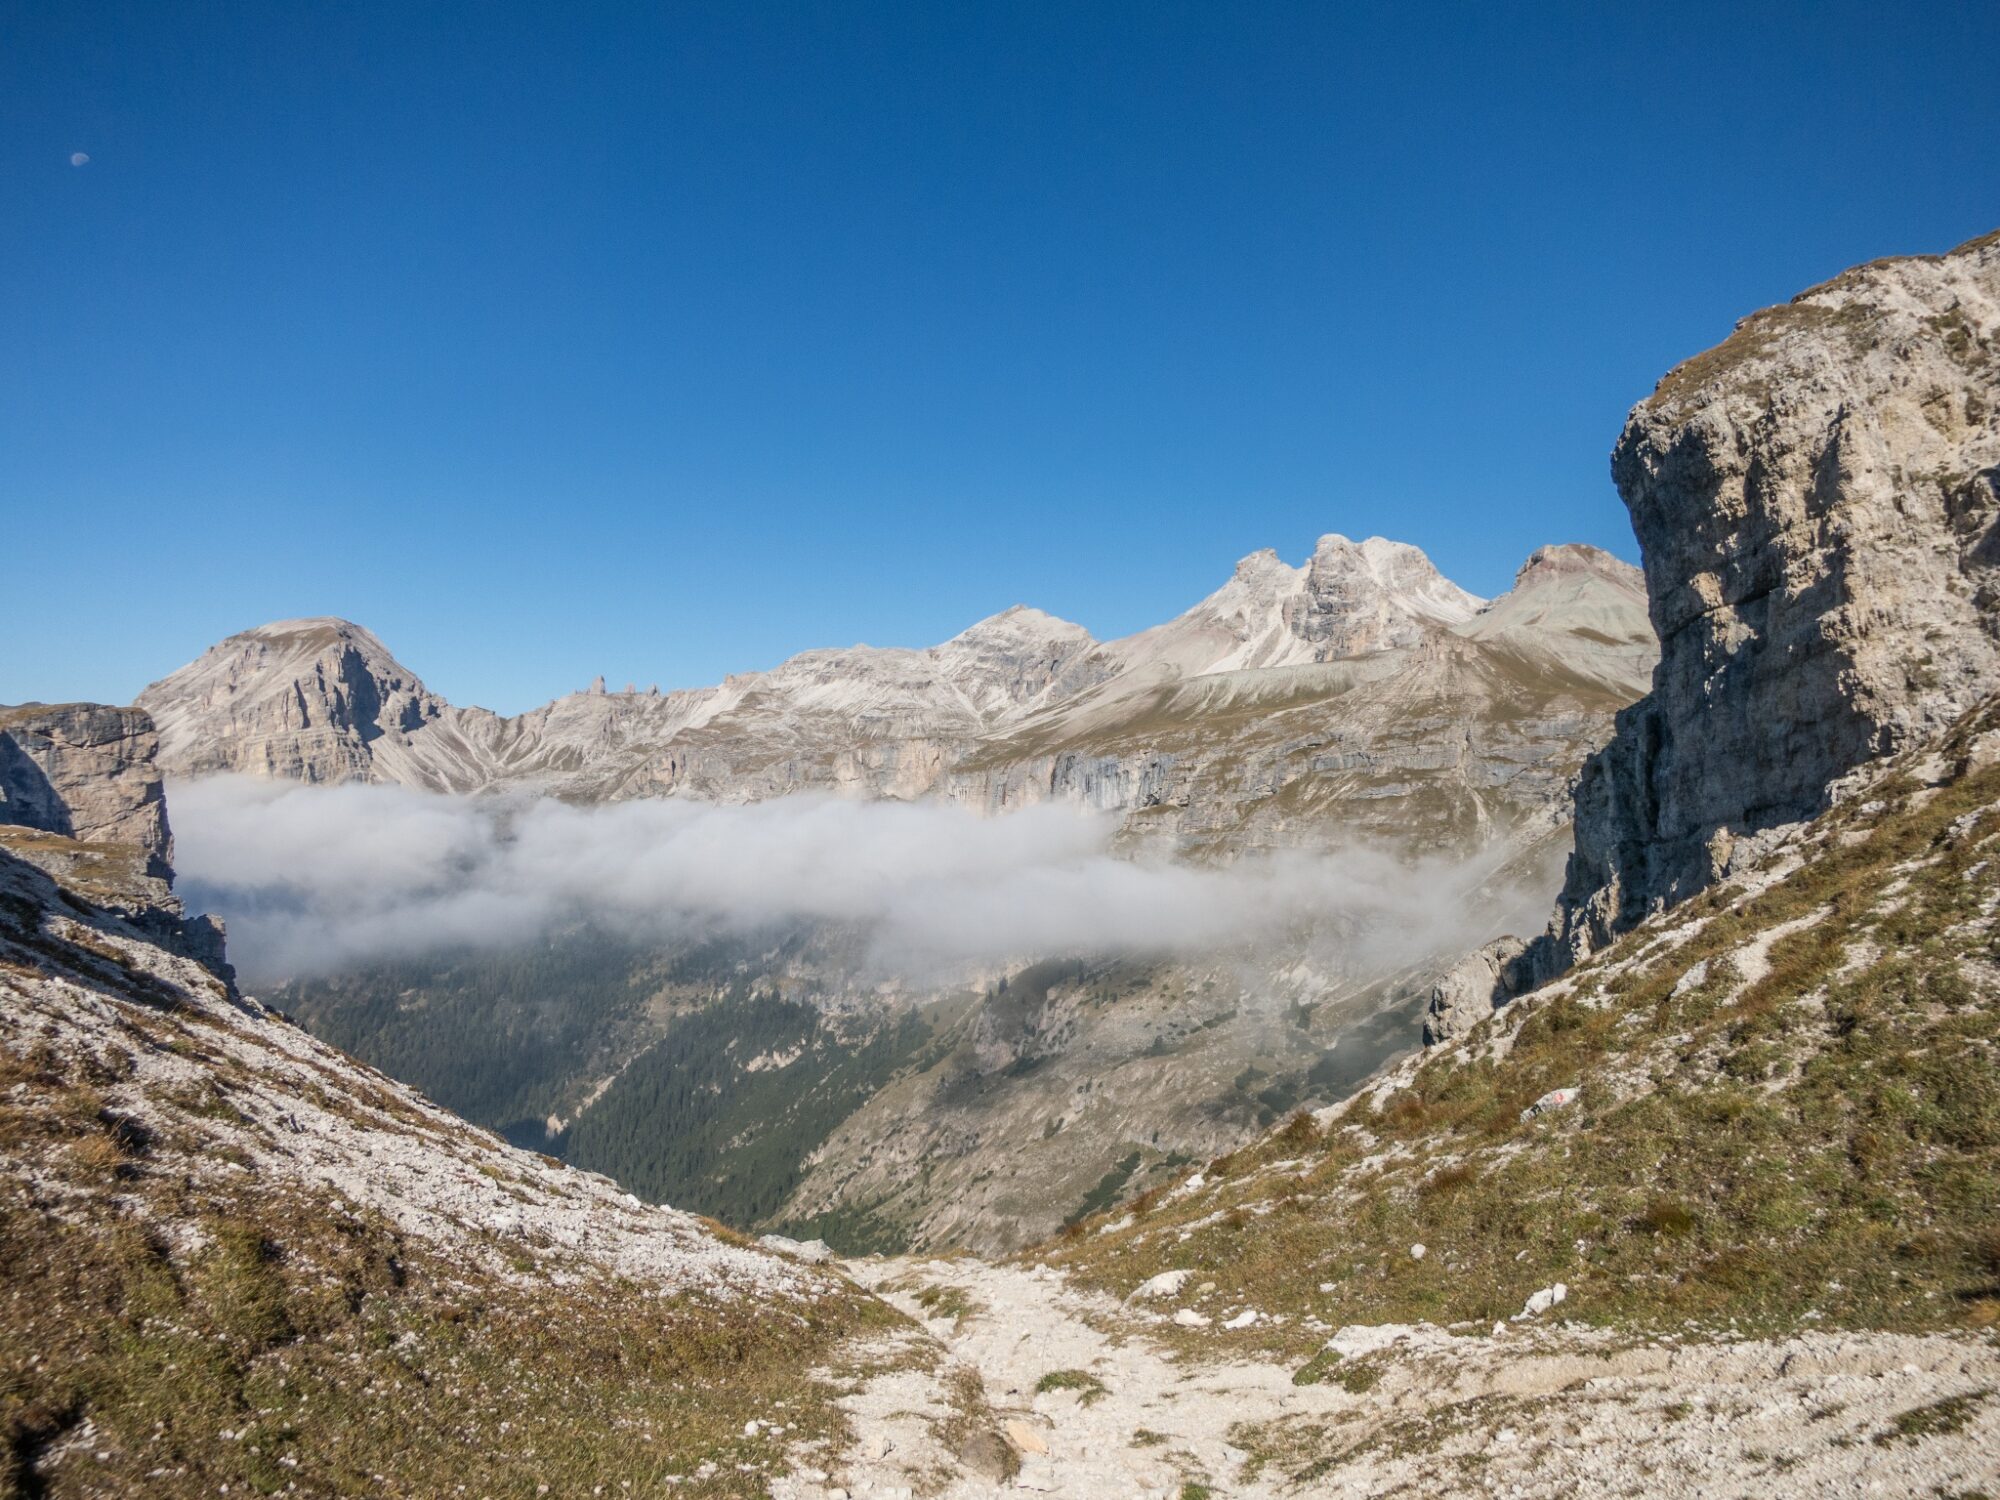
[87, 772]
[81, 800]
[1471, 989]
[1815, 499]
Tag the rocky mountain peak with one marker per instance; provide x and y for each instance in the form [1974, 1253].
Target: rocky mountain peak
[1565, 559]
[1020, 624]
[302, 698]
[1018, 657]
[1373, 595]
[1265, 565]
[1021, 706]
[315, 631]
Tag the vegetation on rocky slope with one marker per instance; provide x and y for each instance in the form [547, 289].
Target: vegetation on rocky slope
[232, 1260]
[1789, 1117]
[722, 1113]
[274, 1338]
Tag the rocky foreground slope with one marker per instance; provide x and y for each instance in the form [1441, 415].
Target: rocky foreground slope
[234, 1260]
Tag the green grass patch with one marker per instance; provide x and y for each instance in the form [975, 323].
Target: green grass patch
[1087, 1386]
[1937, 1419]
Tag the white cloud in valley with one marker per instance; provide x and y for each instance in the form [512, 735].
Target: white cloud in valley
[312, 879]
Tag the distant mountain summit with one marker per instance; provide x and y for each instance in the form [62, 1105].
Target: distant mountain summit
[310, 700]
[1019, 707]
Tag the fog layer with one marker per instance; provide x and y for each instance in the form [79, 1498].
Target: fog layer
[314, 879]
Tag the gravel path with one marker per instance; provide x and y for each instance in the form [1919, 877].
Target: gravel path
[1547, 1412]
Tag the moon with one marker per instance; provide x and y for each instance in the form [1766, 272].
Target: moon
[79, 158]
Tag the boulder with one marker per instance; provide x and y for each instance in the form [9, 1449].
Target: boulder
[1472, 989]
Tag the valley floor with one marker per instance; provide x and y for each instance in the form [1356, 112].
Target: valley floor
[1096, 1399]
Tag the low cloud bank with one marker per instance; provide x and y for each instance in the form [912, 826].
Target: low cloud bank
[314, 879]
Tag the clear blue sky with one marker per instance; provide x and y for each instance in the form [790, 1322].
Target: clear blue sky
[663, 340]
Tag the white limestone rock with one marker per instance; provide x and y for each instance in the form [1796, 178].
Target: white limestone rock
[1816, 501]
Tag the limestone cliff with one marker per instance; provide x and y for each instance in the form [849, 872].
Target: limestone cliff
[1815, 499]
[86, 772]
[81, 799]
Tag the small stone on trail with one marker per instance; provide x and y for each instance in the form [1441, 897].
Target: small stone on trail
[1187, 1317]
[1542, 1301]
[1418, 1252]
[1025, 1438]
[1166, 1284]
[1036, 1474]
[984, 1453]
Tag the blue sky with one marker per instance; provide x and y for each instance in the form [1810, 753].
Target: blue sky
[663, 340]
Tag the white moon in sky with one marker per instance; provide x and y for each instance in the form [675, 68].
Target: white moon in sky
[79, 158]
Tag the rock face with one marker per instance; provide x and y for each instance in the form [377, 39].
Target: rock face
[1372, 596]
[306, 700]
[81, 800]
[86, 772]
[1816, 502]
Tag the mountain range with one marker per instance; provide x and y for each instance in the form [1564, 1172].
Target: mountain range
[1358, 700]
[1239, 722]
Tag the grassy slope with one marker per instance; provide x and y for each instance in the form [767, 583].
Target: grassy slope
[177, 1315]
[1790, 1117]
